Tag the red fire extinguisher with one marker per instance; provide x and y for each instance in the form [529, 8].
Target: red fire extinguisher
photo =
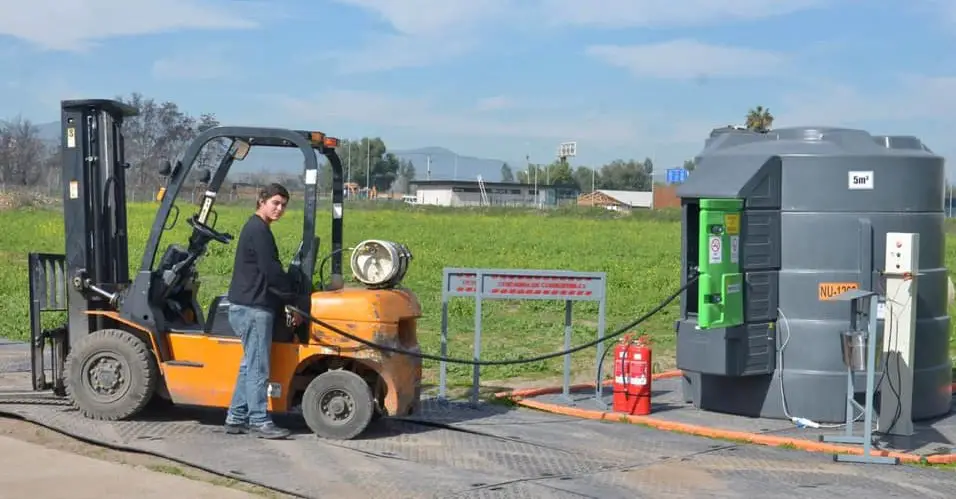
[632, 376]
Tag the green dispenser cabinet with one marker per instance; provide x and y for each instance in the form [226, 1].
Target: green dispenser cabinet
[720, 302]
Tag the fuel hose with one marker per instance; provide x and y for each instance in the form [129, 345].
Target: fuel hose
[691, 280]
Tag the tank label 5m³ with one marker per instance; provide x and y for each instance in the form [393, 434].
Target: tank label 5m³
[860, 180]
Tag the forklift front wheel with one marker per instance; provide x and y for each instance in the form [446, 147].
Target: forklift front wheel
[111, 375]
[338, 405]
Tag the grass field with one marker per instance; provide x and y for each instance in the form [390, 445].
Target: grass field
[640, 254]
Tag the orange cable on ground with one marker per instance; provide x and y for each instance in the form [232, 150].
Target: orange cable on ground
[520, 396]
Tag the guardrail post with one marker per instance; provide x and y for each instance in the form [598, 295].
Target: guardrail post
[511, 284]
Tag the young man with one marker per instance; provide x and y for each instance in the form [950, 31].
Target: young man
[257, 276]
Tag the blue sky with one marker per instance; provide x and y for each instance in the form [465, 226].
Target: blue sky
[499, 78]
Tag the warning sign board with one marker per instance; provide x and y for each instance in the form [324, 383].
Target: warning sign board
[734, 249]
[829, 290]
[525, 284]
[716, 249]
[732, 222]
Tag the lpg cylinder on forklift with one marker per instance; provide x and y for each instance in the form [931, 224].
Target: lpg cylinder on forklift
[632, 376]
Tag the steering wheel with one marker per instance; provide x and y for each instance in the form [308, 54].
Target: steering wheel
[208, 231]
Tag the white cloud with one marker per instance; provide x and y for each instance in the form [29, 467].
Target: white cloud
[496, 103]
[76, 25]
[206, 64]
[431, 17]
[940, 11]
[386, 52]
[914, 97]
[688, 59]
[375, 110]
[424, 32]
[667, 13]
[431, 31]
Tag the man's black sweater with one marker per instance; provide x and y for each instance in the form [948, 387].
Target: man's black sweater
[257, 268]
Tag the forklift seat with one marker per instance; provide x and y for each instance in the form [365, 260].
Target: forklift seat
[217, 321]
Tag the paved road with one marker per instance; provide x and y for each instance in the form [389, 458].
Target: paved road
[458, 452]
[31, 470]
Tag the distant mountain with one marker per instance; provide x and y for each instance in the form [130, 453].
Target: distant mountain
[48, 132]
[443, 160]
[448, 165]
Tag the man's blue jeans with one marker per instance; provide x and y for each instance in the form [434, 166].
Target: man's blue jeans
[249, 398]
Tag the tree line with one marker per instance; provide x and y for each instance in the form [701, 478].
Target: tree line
[628, 175]
[30, 156]
[162, 130]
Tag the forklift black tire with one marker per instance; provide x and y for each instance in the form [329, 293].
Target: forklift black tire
[122, 386]
[338, 405]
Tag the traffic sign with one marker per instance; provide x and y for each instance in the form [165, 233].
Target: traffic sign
[676, 175]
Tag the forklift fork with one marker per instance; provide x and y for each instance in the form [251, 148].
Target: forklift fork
[47, 294]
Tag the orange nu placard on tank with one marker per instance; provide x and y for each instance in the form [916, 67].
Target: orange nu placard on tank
[830, 290]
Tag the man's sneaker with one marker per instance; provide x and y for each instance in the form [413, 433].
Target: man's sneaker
[268, 430]
[236, 428]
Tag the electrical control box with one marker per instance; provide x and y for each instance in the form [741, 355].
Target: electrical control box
[902, 254]
[720, 298]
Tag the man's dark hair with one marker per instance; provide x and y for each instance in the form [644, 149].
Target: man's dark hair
[270, 190]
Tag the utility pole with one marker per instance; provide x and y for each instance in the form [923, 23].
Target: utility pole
[349, 177]
[368, 167]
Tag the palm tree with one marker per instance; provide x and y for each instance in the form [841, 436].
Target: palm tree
[759, 119]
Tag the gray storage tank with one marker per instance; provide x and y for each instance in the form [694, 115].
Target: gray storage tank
[807, 222]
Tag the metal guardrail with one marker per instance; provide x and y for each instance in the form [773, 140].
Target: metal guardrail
[511, 284]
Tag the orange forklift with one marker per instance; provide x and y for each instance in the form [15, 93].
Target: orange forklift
[130, 341]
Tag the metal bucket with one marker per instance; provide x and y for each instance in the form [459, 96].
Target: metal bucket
[854, 345]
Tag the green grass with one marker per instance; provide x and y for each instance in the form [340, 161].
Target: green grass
[639, 253]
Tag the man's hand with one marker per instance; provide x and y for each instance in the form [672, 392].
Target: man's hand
[293, 319]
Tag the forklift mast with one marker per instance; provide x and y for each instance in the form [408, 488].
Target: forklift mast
[94, 208]
[95, 251]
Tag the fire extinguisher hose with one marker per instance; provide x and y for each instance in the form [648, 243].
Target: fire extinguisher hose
[690, 281]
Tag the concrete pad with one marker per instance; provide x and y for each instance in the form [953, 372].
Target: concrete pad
[31, 470]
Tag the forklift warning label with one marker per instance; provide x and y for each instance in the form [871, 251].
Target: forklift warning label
[829, 290]
[734, 249]
[716, 253]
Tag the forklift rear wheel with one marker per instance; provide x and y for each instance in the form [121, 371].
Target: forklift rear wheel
[111, 375]
[338, 405]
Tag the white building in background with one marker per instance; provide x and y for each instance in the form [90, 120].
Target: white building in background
[618, 200]
[475, 193]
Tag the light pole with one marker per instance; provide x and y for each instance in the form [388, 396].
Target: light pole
[569, 150]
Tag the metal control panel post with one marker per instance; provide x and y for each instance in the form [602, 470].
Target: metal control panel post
[899, 333]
